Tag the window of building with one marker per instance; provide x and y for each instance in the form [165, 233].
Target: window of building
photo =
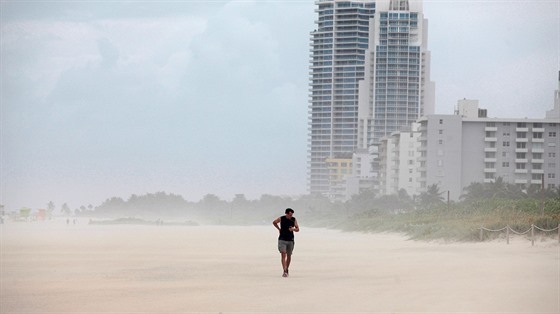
[440, 121]
[519, 166]
[505, 144]
[551, 134]
[506, 134]
[537, 155]
[552, 175]
[440, 141]
[537, 135]
[440, 131]
[505, 164]
[551, 144]
[521, 134]
[520, 155]
[552, 155]
[504, 154]
[521, 125]
[537, 166]
[537, 125]
[551, 165]
[489, 165]
[536, 176]
[521, 145]
[551, 186]
[506, 123]
[489, 175]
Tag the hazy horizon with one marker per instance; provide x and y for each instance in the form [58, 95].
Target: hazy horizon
[110, 99]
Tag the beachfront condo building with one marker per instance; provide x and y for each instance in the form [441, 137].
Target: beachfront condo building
[338, 48]
[456, 150]
[370, 77]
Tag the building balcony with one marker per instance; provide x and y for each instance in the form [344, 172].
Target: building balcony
[490, 170]
[537, 150]
[490, 149]
[521, 150]
[521, 129]
[489, 159]
[421, 179]
[422, 149]
[537, 161]
[489, 180]
[536, 182]
[520, 181]
[537, 140]
[491, 129]
[520, 170]
[537, 171]
[538, 129]
[521, 160]
[521, 140]
[490, 139]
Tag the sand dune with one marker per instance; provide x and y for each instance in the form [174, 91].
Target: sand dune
[51, 267]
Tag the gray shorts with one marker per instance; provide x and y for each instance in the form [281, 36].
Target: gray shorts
[286, 246]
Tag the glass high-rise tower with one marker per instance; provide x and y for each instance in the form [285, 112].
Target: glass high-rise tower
[338, 48]
[399, 85]
[369, 77]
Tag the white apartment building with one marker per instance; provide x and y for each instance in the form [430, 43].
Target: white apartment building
[338, 48]
[399, 167]
[370, 76]
[457, 150]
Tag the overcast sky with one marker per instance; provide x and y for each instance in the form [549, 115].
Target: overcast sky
[113, 98]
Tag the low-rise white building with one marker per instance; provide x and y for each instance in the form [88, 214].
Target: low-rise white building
[457, 150]
[399, 162]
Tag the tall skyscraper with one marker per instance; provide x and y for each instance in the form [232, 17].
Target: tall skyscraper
[338, 48]
[398, 90]
[369, 77]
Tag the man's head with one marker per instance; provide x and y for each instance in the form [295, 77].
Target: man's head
[289, 212]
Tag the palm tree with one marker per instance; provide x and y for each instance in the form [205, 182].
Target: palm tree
[473, 192]
[432, 196]
[50, 209]
[65, 209]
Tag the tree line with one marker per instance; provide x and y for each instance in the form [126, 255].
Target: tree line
[318, 208]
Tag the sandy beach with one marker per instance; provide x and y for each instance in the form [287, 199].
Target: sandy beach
[51, 267]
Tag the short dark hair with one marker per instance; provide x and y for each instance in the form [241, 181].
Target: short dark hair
[289, 210]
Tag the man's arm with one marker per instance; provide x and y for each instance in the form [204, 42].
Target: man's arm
[296, 226]
[276, 222]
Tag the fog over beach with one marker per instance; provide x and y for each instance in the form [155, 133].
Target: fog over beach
[52, 267]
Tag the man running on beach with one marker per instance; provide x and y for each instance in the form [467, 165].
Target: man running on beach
[288, 224]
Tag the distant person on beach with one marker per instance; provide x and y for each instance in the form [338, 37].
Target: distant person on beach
[288, 224]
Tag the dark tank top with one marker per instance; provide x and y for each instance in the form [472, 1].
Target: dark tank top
[285, 224]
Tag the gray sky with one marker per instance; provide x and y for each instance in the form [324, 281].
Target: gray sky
[113, 98]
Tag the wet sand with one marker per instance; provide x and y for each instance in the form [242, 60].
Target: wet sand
[53, 268]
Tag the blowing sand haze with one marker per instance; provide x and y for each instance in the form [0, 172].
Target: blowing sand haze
[52, 267]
